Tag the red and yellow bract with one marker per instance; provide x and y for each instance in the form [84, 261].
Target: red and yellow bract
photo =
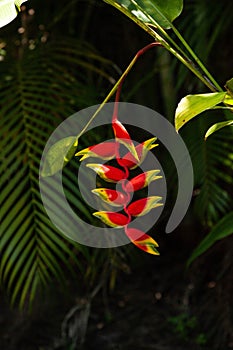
[108, 172]
[112, 219]
[142, 180]
[142, 240]
[104, 150]
[112, 197]
[144, 205]
[131, 159]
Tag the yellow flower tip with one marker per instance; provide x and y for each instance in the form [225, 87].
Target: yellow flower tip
[149, 142]
[82, 152]
[98, 214]
[153, 146]
[99, 192]
[85, 156]
[92, 166]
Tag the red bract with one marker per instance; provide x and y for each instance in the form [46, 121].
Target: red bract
[142, 240]
[112, 219]
[122, 136]
[132, 158]
[112, 197]
[108, 172]
[104, 150]
[142, 149]
[144, 205]
[142, 180]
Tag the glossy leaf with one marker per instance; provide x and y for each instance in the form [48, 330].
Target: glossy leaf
[218, 126]
[192, 105]
[161, 12]
[112, 219]
[107, 172]
[142, 240]
[144, 205]
[8, 10]
[222, 229]
[228, 100]
[59, 155]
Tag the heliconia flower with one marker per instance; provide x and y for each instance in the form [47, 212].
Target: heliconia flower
[112, 197]
[123, 137]
[112, 219]
[142, 180]
[142, 240]
[142, 149]
[107, 172]
[144, 205]
[103, 150]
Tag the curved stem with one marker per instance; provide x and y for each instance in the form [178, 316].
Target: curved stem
[118, 85]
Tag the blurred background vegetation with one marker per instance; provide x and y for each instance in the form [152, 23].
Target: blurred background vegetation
[55, 59]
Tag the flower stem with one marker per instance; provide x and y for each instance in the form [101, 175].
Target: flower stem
[117, 86]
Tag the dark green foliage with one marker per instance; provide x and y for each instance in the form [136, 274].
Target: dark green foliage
[37, 92]
[186, 328]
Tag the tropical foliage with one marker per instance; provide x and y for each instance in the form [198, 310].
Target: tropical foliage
[48, 82]
[46, 78]
[213, 201]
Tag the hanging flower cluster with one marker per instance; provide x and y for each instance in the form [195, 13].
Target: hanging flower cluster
[121, 198]
[133, 157]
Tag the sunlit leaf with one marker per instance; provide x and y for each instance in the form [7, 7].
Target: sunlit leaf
[161, 12]
[8, 10]
[59, 155]
[217, 127]
[192, 105]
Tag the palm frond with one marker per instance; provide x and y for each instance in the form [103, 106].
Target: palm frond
[36, 94]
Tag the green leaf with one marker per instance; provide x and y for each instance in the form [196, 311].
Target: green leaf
[192, 105]
[59, 155]
[161, 12]
[8, 10]
[229, 86]
[221, 230]
[217, 126]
